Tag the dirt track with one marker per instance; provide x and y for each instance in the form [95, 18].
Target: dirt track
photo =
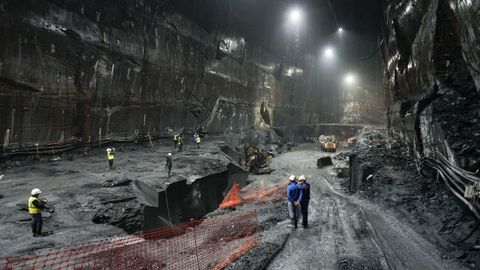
[347, 232]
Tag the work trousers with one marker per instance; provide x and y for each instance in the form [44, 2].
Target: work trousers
[294, 213]
[37, 223]
[110, 163]
[304, 208]
[169, 168]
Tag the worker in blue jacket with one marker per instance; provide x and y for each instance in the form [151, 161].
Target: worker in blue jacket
[294, 197]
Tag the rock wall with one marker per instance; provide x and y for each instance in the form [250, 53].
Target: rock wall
[87, 71]
[431, 69]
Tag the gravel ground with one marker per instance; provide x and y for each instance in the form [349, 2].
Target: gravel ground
[73, 185]
[393, 222]
[347, 231]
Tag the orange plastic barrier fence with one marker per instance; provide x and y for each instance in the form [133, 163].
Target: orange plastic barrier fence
[211, 243]
[247, 195]
[264, 195]
[232, 198]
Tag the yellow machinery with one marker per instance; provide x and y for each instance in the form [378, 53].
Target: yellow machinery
[328, 143]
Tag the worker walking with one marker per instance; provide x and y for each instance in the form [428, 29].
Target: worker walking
[169, 163]
[294, 197]
[197, 140]
[110, 157]
[305, 188]
[35, 207]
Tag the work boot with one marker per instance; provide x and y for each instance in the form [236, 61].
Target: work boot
[292, 224]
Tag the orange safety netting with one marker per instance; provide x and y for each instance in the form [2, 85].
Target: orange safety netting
[249, 195]
[211, 243]
[232, 198]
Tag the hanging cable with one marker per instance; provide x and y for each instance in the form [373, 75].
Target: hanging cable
[330, 6]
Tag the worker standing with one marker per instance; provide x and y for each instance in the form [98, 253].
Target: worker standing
[110, 157]
[197, 140]
[180, 143]
[169, 163]
[294, 197]
[35, 207]
[175, 141]
[305, 188]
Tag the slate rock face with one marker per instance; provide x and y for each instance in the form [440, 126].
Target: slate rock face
[432, 75]
[89, 71]
[77, 71]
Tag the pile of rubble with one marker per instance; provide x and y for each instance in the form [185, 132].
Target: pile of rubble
[390, 177]
[458, 117]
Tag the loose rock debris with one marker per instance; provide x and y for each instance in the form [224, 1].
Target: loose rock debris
[324, 161]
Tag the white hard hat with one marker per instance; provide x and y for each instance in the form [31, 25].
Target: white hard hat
[109, 149]
[292, 177]
[302, 177]
[169, 154]
[36, 191]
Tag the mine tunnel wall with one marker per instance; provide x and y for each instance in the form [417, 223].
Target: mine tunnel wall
[432, 76]
[182, 201]
[84, 72]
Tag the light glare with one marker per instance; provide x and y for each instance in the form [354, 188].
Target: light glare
[329, 52]
[350, 79]
[295, 15]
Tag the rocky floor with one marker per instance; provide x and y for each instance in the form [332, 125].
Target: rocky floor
[77, 188]
[347, 231]
[398, 220]
[417, 199]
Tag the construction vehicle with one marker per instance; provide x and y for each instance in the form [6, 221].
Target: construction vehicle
[256, 159]
[328, 143]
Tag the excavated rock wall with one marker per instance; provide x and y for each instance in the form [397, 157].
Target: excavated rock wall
[431, 69]
[81, 72]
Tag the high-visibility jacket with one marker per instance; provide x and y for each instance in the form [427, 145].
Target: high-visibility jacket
[32, 209]
[175, 138]
[110, 155]
[197, 139]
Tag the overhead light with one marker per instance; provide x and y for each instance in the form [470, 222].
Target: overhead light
[350, 79]
[340, 29]
[329, 52]
[295, 15]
